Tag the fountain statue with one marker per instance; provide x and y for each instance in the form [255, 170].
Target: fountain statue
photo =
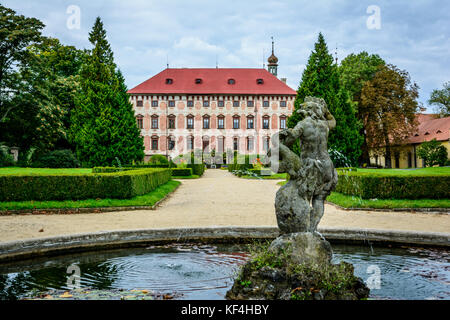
[300, 251]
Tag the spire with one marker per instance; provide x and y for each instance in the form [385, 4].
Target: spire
[273, 61]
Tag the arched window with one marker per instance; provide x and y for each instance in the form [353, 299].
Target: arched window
[140, 121]
[155, 121]
[250, 143]
[190, 142]
[171, 143]
[206, 122]
[283, 122]
[171, 120]
[220, 144]
[220, 122]
[155, 140]
[266, 122]
[190, 122]
[236, 121]
[236, 144]
[250, 122]
[205, 144]
[266, 143]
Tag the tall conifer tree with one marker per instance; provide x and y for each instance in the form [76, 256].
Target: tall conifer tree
[321, 79]
[104, 129]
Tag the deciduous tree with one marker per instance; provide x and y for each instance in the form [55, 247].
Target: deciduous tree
[388, 108]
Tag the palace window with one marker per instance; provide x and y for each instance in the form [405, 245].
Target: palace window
[155, 103]
[155, 122]
[140, 121]
[169, 81]
[283, 122]
[220, 144]
[266, 122]
[235, 144]
[171, 103]
[140, 103]
[171, 143]
[190, 122]
[220, 103]
[205, 122]
[154, 143]
[236, 121]
[171, 124]
[205, 144]
[283, 103]
[259, 81]
[231, 81]
[250, 143]
[206, 103]
[190, 142]
[250, 103]
[266, 103]
[236, 103]
[190, 103]
[198, 81]
[266, 143]
[250, 122]
[220, 122]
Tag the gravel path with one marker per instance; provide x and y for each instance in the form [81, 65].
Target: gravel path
[217, 199]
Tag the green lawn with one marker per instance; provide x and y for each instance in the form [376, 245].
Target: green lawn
[419, 171]
[347, 201]
[275, 176]
[31, 171]
[148, 199]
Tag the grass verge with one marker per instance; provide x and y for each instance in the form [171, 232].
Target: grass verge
[148, 199]
[194, 176]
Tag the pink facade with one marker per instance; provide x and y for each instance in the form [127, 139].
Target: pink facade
[169, 115]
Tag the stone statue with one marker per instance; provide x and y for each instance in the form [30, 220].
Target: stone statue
[299, 204]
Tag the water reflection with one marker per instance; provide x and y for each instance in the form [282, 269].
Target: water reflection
[200, 271]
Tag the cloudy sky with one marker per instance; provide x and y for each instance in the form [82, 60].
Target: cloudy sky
[412, 34]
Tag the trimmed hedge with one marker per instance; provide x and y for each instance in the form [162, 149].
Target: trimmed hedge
[197, 169]
[182, 172]
[120, 185]
[109, 169]
[379, 186]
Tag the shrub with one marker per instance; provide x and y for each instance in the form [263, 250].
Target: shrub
[433, 153]
[346, 169]
[57, 159]
[182, 172]
[6, 159]
[197, 169]
[158, 159]
[261, 172]
[109, 169]
[382, 186]
[121, 185]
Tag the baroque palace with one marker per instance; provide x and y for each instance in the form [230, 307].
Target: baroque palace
[220, 109]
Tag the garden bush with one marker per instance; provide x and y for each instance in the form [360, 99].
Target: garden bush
[6, 159]
[120, 185]
[57, 159]
[382, 186]
[261, 172]
[182, 172]
[158, 159]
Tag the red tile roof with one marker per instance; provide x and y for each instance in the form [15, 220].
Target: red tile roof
[214, 81]
[430, 128]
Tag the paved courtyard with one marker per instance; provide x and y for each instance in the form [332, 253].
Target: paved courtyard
[217, 199]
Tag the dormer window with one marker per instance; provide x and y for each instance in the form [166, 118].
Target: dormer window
[439, 131]
[259, 81]
[427, 133]
[169, 81]
[231, 81]
[198, 81]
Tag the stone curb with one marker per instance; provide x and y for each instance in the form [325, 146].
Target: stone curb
[24, 249]
[84, 210]
[406, 210]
